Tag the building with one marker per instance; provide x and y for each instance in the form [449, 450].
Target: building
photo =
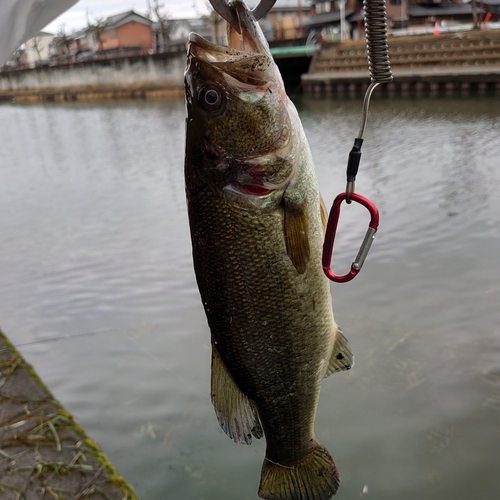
[84, 44]
[490, 10]
[336, 20]
[177, 33]
[414, 13]
[120, 35]
[285, 21]
[127, 33]
[36, 49]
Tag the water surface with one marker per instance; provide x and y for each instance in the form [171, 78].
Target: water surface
[96, 253]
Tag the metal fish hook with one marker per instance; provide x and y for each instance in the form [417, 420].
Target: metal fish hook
[223, 8]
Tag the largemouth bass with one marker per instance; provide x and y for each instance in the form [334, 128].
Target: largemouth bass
[257, 224]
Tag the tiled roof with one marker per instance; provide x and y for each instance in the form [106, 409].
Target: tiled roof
[119, 19]
[451, 9]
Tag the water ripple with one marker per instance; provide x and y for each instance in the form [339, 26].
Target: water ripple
[96, 250]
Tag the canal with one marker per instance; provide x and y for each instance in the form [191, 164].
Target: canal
[97, 290]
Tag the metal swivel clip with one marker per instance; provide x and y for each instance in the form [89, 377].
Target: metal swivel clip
[331, 230]
[380, 72]
[223, 8]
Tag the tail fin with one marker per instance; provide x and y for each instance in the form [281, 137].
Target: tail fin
[314, 477]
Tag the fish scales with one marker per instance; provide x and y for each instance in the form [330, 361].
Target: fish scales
[257, 227]
[258, 308]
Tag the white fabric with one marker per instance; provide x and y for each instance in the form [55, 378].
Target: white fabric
[21, 20]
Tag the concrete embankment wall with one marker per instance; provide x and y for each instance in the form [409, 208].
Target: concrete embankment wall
[453, 63]
[44, 452]
[139, 76]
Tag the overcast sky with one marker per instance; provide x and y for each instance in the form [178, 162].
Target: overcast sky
[76, 17]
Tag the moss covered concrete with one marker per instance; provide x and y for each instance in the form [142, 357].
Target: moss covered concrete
[44, 453]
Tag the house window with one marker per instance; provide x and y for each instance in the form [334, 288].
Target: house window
[322, 7]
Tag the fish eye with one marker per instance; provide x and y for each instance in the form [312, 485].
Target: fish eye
[210, 98]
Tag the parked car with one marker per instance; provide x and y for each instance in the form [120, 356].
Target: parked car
[86, 55]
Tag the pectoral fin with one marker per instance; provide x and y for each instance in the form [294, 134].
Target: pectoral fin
[341, 358]
[237, 415]
[296, 235]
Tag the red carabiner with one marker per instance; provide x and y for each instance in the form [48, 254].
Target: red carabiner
[331, 230]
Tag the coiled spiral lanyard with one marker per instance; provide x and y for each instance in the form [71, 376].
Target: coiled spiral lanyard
[380, 72]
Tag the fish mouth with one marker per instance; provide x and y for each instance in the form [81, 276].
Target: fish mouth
[250, 38]
[250, 41]
[245, 65]
[245, 74]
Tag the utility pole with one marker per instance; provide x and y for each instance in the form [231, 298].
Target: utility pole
[342, 21]
[475, 25]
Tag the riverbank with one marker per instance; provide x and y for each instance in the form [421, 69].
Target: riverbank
[463, 63]
[92, 93]
[458, 63]
[430, 82]
[146, 77]
[44, 453]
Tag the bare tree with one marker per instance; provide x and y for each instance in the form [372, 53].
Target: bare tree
[18, 58]
[162, 17]
[97, 27]
[36, 45]
[149, 10]
[62, 42]
[216, 32]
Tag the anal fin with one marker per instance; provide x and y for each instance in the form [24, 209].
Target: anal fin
[236, 413]
[342, 357]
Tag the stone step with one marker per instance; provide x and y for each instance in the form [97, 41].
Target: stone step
[426, 60]
[452, 49]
